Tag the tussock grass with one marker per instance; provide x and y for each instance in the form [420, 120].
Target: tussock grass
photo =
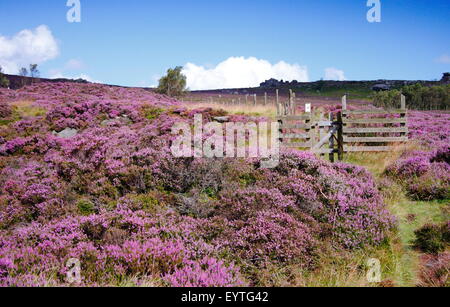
[25, 108]
[248, 109]
[400, 261]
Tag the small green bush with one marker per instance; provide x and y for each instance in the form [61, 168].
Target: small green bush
[4, 82]
[85, 207]
[152, 113]
[432, 239]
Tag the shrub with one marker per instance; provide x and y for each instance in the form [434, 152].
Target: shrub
[208, 272]
[85, 207]
[433, 238]
[4, 82]
[151, 112]
[271, 236]
[425, 175]
[5, 110]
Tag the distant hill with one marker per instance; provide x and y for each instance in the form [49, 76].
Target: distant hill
[321, 88]
[16, 82]
[326, 88]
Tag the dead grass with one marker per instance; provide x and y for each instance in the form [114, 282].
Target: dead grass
[252, 110]
[25, 108]
[376, 162]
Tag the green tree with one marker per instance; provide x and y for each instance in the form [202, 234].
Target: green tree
[34, 72]
[174, 83]
[4, 82]
[23, 72]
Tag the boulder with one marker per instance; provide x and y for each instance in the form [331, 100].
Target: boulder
[222, 119]
[66, 133]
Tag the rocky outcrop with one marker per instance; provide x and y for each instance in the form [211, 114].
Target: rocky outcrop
[381, 87]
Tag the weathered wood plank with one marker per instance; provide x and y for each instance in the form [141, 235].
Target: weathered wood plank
[376, 130]
[296, 126]
[375, 121]
[380, 112]
[295, 136]
[324, 123]
[367, 148]
[374, 139]
[294, 117]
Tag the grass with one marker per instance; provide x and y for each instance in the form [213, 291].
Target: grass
[251, 110]
[25, 108]
[339, 92]
[400, 261]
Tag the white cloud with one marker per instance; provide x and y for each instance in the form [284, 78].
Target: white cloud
[240, 72]
[27, 47]
[332, 73]
[444, 59]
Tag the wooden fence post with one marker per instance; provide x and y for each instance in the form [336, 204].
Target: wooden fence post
[254, 100]
[311, 131]
[265, 98]
[341, 116]
[331, 142]
[291, 102]
[403, 115]
[277, 98]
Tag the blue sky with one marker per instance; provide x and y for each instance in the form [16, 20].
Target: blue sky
[133, 42]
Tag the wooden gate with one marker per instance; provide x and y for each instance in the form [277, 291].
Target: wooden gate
[373, 130]
[351, 131]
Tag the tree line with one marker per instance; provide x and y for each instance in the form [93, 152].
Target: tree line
[418, 97]
[33, 72]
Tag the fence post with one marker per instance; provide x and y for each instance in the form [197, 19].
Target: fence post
[403, 102]
[294, 103]
[341, 116]
[277, 98]
[311, 130]
[403, 115]
[246, 99]
[265, 98]
[331, 142]
[291, 100]
[254, 99]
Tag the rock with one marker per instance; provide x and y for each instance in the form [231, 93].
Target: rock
[271, 83]
[66, 133]
[381, 87]
[118, 120]
[222, 119]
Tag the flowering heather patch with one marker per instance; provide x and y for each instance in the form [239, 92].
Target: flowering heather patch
[5, 110]
[426, 174]
[113, 196]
